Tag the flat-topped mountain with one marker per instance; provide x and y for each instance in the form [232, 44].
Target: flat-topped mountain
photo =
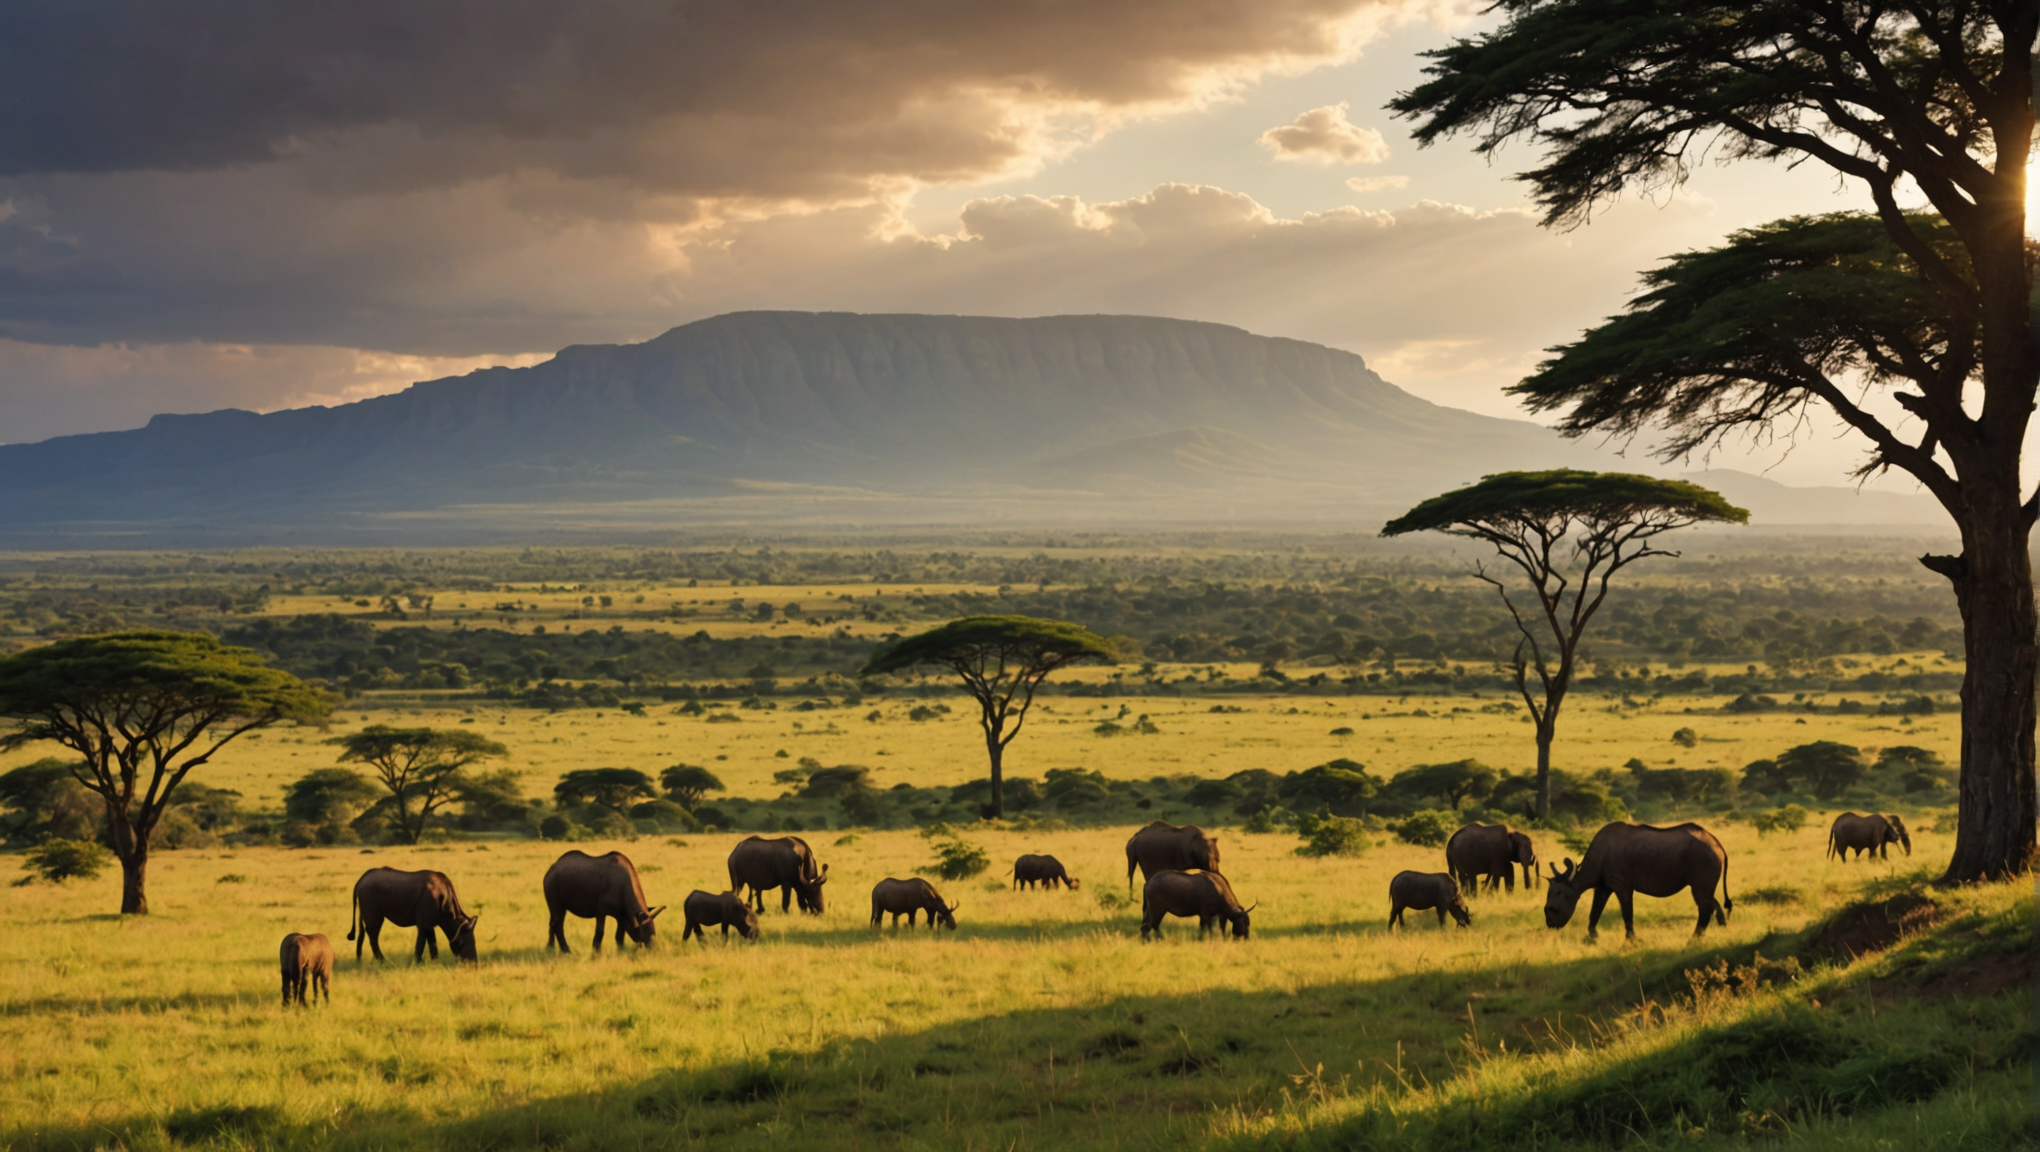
[792, 414]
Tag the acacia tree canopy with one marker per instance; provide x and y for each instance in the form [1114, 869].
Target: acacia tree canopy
[419, 767]
[1002, 660]
[1569, 532]
[612, 788]
[142, 710]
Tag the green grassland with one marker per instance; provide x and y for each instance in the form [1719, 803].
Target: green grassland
[1042, 1022]
[1279, 733]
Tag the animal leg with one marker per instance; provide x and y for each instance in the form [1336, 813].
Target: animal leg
[556, 933]
[1395, 917]
[1594, 913]
[1628, 901]
[598, 935]
[372, 930]
[286, 989]
[785, 898]
[1441, 915]
[1509, 880]
[1706, 903]
[326, 989]
[427, 938]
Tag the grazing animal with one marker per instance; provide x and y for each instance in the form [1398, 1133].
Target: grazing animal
[306, 960]
[707, 909]
[599, 887]
[909, 897]
[1424, 891]
[1045, 870]
[1164, 847]
[1625, 859]
[1483, 855]
[1205, 895]
[760, 864]
[424, 900]
[1873, 834]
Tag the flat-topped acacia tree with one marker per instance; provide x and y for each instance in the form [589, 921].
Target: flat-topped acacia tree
[1001, 660]
[421, 768]
[142, 710]
[1569, 532]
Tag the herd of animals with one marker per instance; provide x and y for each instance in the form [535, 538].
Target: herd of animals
[1179, 863]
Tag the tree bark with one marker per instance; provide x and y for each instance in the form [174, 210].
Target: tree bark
[997, 752]
[134, 867]
[1993, 581]
[1545, 732]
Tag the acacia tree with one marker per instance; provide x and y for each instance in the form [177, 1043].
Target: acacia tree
[420, 768]
[142, 710]
[1569, 532]
[612, 788]
[1002, 660]
[1626, 94]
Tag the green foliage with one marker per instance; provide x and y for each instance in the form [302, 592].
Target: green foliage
[613, 788]
[994, 647]
[1332, 836]
[419, 768]
[44, 799]
[1342, 787]
[1825, 766]
[1455, 782]
[1791, 818]
[1563, 495]
[957, 859]
[328, 796]
[1428, 829]
[687, 784]
[1686, 738]
[59, 860]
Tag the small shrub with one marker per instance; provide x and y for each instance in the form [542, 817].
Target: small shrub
[1342, 731]
[556, 827]
[1790, 818]
[1686, 738]
[1429, 829]
[842, 841]
[59, 860]
[957, 860]
[1332, 836]
[232, 878]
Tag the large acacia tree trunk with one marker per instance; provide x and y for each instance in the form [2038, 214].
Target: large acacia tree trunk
[997, 752]
[1993, 581]
[131, 846]
[1545, 732]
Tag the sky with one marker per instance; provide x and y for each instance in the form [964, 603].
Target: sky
[235, 203]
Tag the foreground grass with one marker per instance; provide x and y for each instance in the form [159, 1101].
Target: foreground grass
[1042, 1022]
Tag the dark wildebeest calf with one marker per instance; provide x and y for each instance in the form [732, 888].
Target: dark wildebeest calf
[1424, 891]
[306, 960]
[1870, 834]
[707, 909]
[597, 887]
[908, 898]
[1045, 870]
[1206, 895]
[1484, 854]
[1625, 859]
[424, 900]
[760, 864]
[1164, 847]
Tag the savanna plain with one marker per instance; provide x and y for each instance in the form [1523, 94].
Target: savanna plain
[1845, 1004]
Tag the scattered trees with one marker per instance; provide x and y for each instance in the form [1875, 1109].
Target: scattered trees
[1569, 532]
[420, 768]
[142, 710]
[688, 784]
[613, 788]
[1932, 309]
[1002, 660]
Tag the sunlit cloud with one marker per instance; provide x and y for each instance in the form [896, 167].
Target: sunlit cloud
[1377, 183]
[1325, 136]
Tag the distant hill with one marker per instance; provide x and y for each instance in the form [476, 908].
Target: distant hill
[778, 415]
[797, 417]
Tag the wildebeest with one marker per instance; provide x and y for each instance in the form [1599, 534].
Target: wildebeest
[1162, 847]
[597, 887]
[707, 909]
[909, 897]
[424, 900]
[1485, 854]
[306, 960]
[1424, 891]
[1205, 895]
[760, 864]
[1046, 870]
[1625, 859]
[1872, 834]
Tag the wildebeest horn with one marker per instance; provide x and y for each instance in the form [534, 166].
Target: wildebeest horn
[654, 913]
[1254, 905]
[958, 904]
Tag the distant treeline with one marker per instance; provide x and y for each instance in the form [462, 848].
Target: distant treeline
[1286, 607]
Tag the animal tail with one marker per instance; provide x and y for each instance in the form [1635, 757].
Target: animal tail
[354, 916]
[1831, 844]
[1129, 880]
[1727, 904]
